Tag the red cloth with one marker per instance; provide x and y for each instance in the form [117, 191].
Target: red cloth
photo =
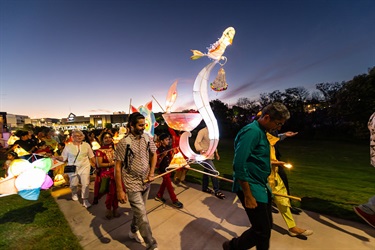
[167, 183]
[106, 153]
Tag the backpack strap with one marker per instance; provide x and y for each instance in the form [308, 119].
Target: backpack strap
[128, 153]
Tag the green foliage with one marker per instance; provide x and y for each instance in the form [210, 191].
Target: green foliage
[108, 125]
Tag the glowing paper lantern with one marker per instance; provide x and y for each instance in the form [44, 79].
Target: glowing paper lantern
[201, 100]
[20, 151]
[177, 161]
[95, 145]
[220, 83]
[150, 119]
[59, 180]
[48, 182]
[27, 178]
[182, 121]
[44, 164]
[56, 163]
[7, 186]
[29, 182]
[288, 165]
[171, 96]
[216, 50]
[17, 166]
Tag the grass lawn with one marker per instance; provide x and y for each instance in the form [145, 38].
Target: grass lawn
[34, 224]
[330, 177]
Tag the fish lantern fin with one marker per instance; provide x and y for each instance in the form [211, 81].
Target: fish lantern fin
[196, 54]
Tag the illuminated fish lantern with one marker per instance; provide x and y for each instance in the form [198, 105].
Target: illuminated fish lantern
[220, 83]
[27, 179]
[201, 100]
[150, 119]
[216, 50]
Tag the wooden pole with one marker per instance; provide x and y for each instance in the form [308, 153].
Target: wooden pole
[216, 176]
[158, 103]
[288, 196]
[130, 106]
[161, 175]
[228, 180]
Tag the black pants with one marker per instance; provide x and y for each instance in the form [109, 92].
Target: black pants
[261, 224]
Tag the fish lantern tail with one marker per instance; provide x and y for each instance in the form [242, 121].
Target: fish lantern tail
[196, 54]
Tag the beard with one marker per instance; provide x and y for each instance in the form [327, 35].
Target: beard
[138, 132]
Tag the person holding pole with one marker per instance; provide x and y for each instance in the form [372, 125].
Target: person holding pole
[165, 155]
[135, 160]
[252, 166]
[278, 186]
[367, 211]
[201, 144]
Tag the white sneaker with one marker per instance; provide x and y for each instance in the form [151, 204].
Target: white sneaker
[75, 197]
[86, 204]
[136, 236]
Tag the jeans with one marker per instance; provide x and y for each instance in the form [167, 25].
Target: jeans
[140, 222]
[261, 223]
[215, 181]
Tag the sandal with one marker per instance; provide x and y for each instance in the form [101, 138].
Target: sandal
[208, 190]
[220, 195]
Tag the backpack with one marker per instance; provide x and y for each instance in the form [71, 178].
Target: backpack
[129, 155]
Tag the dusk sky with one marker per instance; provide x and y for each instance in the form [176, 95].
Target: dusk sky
[93, 57]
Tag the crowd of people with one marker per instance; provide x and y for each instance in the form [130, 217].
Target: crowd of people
[126, 163]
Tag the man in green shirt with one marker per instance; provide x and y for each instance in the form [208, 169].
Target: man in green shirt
[252, 166]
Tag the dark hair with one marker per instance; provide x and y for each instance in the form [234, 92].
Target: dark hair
[163, 136]
[62, 144]
[14, 154]
[104, 134]
[23, 133]
[133, 119]
[42, 143]
[276, 111]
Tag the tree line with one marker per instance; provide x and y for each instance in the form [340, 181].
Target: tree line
[335, 109]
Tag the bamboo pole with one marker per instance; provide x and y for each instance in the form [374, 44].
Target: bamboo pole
[288, 196]
[158, 103]
[161, 175]
[130, 106]
[228, 180]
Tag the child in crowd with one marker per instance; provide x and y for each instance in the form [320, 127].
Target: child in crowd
[43, 149]
[10, 157]
[165, 155]
[60, 169]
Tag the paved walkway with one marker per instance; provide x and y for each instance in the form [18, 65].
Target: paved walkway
[205, 222]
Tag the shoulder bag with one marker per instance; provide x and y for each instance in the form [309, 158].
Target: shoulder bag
[71, 168]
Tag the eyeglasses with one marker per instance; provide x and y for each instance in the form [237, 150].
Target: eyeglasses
[279, 124]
